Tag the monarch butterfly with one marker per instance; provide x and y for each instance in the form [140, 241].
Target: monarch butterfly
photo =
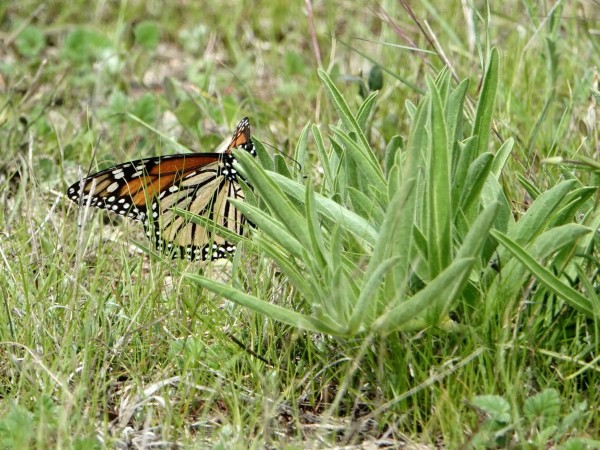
[147, 189]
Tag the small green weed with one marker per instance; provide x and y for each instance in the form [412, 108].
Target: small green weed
[538, 423]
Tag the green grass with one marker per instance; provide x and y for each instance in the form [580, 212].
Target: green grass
[428, 274]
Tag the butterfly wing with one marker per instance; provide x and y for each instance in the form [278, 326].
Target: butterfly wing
[147, 189]
[205, 193]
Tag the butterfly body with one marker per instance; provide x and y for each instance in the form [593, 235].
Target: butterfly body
[146, 190]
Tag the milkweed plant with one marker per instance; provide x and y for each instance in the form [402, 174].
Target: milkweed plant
[398, 242]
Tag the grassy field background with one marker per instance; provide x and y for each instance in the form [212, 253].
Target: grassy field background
[467, 318]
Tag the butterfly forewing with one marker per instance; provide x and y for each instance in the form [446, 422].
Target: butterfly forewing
[148, 189]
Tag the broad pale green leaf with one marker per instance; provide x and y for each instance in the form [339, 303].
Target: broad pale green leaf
[501, 157]
[280, 166]
[574, 202]
[350, 221]
[476, 178]
[296, 275]
[319, 252]
[323, 159]
[442, 83]
[492, 193]
[485, 106]
[263, 157]
[346, 116]
[364, 205]
[556, 238]
[465, 152]
[568, 294]
[370, 173]
[401, 244]
[380, 261]
[439, 204]
[439, 292]
[394, 181]
[417, 141]
[391, 152]
[270, 226]
[368, 291]
[269, 310]
[478, 233]
[535, 220]
[301, 154]
[364, 111]
[454, 117]
[278, 203]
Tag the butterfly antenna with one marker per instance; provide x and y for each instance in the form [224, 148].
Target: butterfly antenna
[286, 156]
